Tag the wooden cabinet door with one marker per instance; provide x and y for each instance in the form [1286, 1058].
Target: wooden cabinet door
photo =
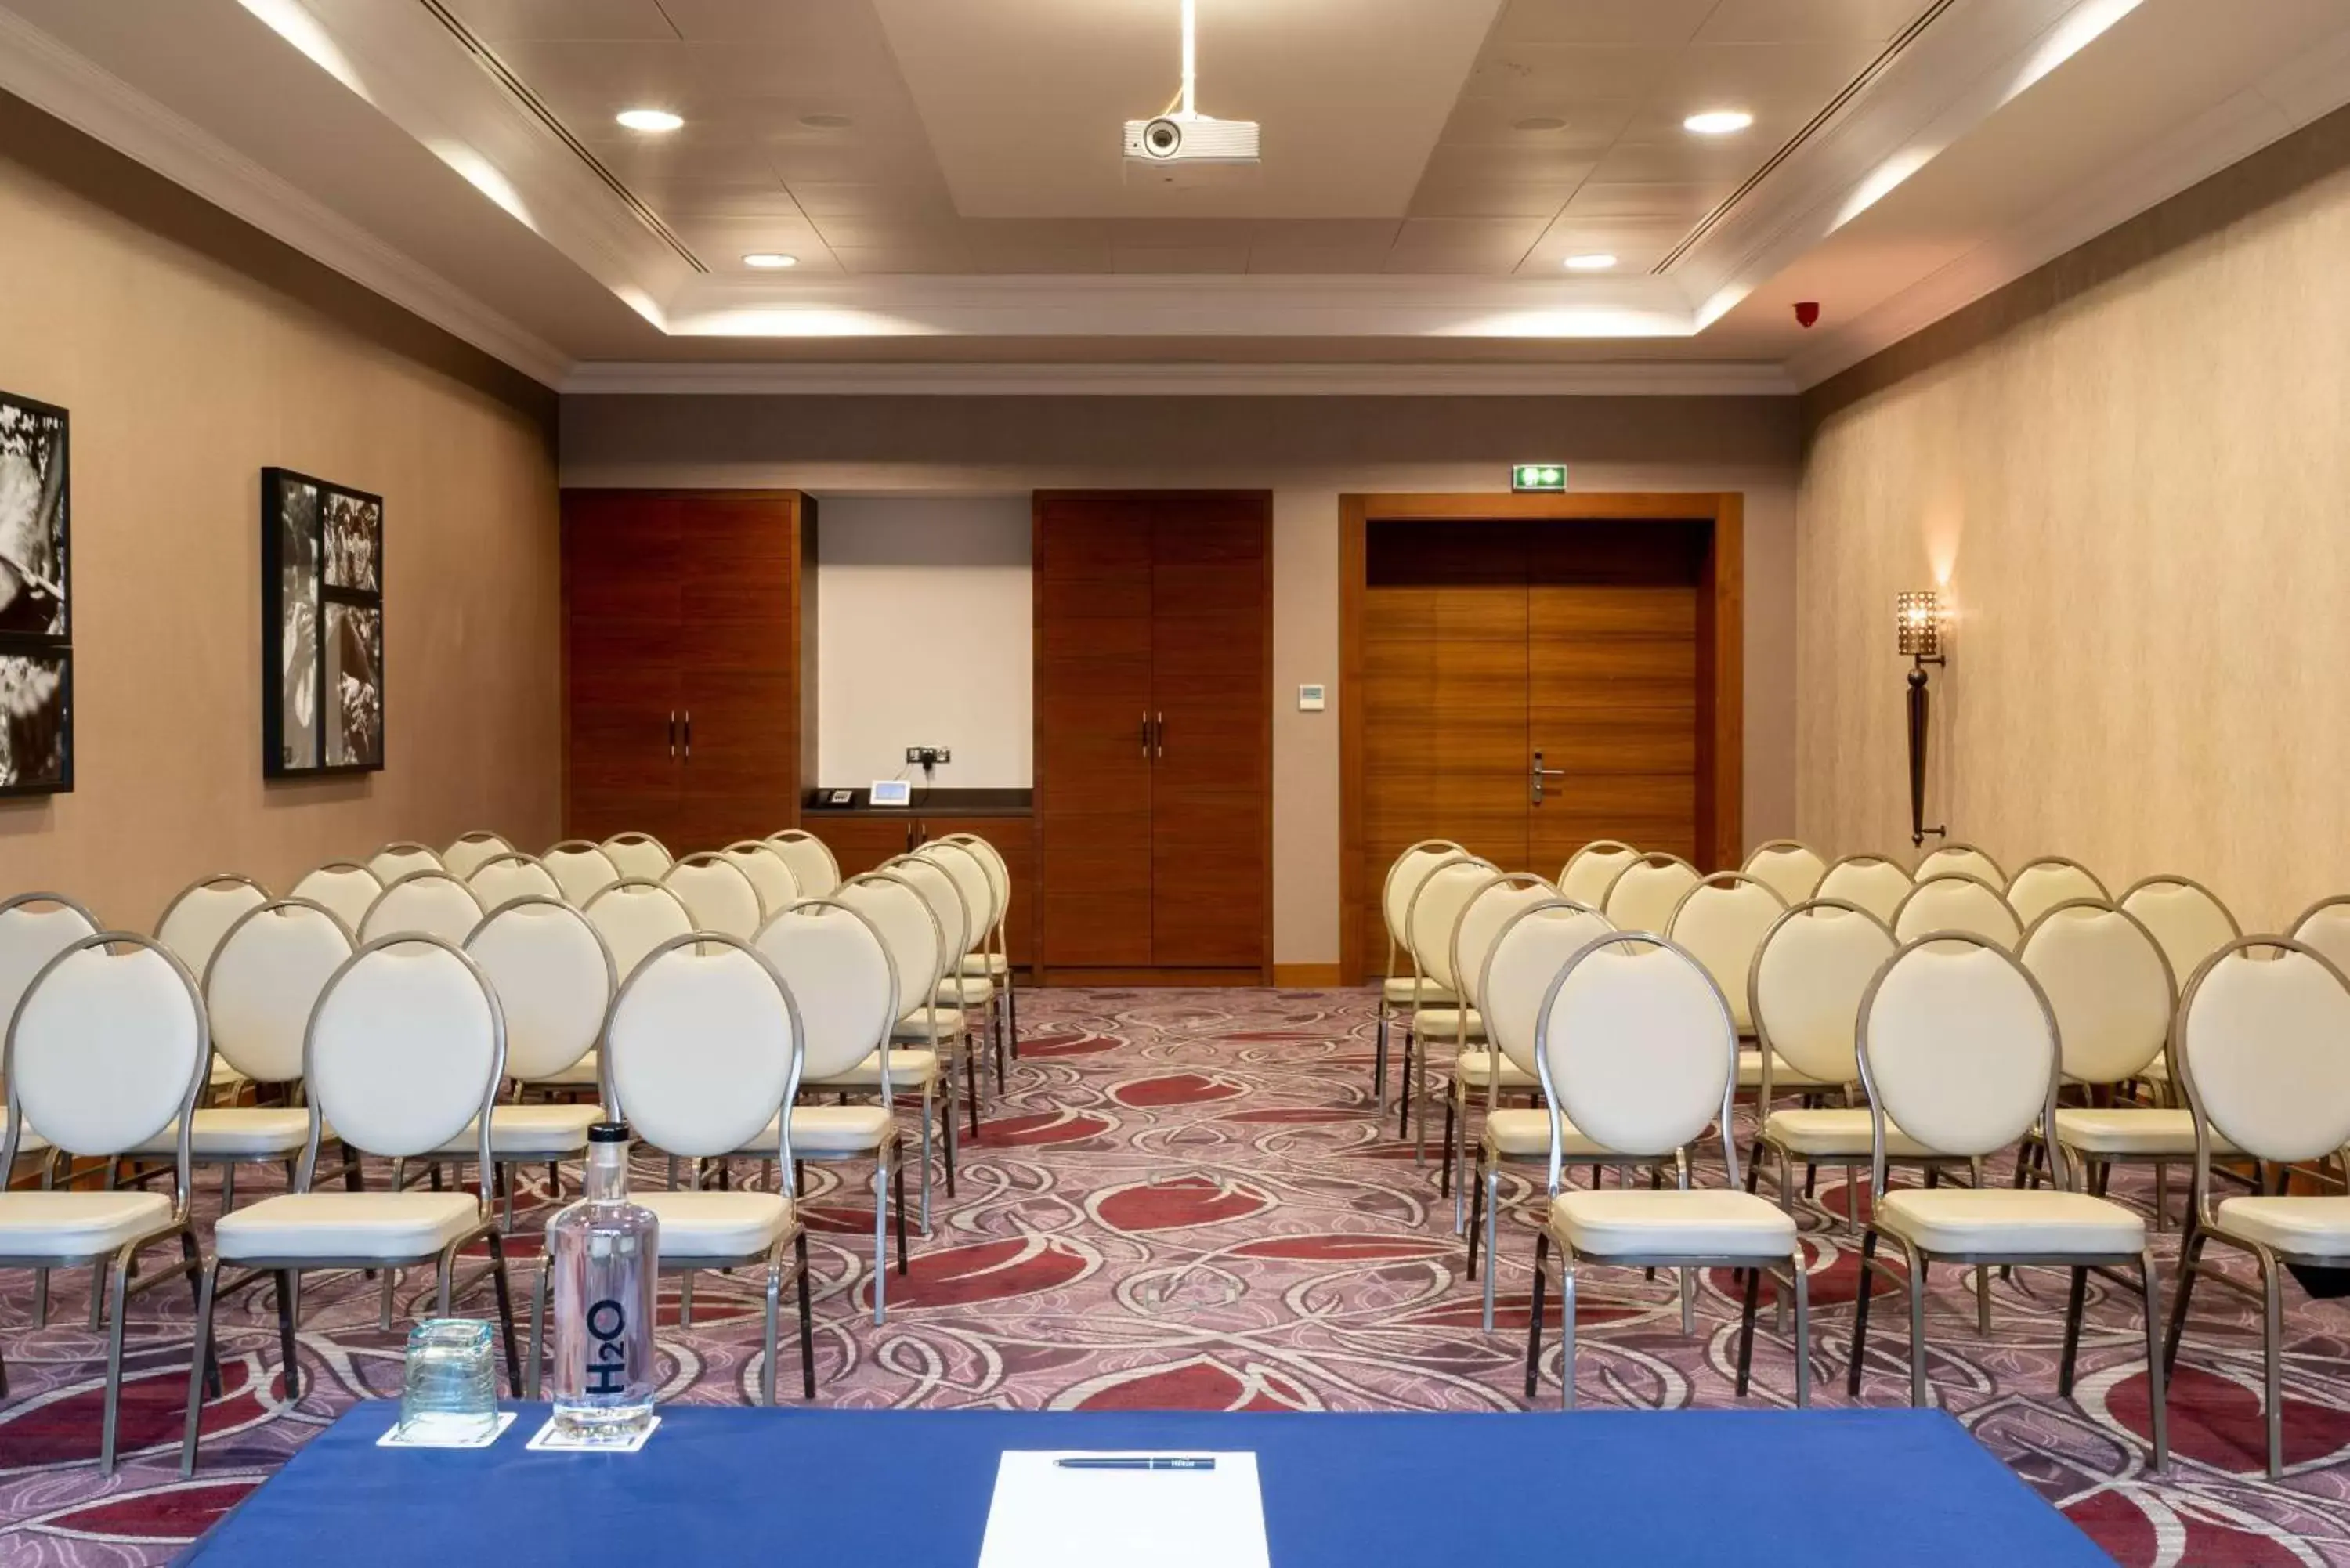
[1092, 695]
[739, 563]
[1212, 718]
[620, 588]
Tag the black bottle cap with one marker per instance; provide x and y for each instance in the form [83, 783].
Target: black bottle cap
[608, 1132]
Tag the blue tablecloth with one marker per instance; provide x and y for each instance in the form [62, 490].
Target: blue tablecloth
[911, 1488]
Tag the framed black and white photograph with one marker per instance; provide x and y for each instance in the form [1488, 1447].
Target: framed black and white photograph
[35, 721]
[35, 520]
[322, 626]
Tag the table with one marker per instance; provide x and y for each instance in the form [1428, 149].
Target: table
[723, 1483]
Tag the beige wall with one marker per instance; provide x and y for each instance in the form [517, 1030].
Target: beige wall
[2130, 468]
[190, 353]
[1307, 451]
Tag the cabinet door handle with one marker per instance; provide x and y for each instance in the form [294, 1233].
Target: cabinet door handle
[673, 735]
[688, 735]
[1146, 734]
[1158, 735]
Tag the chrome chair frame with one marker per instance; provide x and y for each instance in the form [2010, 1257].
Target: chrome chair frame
[1425, 994]
[940, 1095]
[769, 1258]
[1793, 1275]
[1918, 1260]
[287, 1270]
[2203, 1224]
[111, 1279]
[969, 1050]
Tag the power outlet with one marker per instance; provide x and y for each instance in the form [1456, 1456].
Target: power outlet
[929, 756]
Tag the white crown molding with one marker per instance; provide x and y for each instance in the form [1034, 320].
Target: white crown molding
[1690, 379]
[2314, 85]
[60, 82]
[1203, 305]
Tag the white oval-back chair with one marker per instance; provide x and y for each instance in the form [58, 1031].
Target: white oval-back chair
[811, 860]
[2263, 1054]
[718, 894]
[703, 1049]
[1590, 870]
[1869, 881]
[1957, 901]
[838, 969]
[404, 1050]
[1788, 868]
[1958, 1048]
[1644, 894]
[581, 868]
[465, 854]
[2039, 885]
[1400, 987]
[344, 888]
[639, 855]
[910, 937]
[509, 875]
[424, 904]
[1637, 1052]
[105, 1049]
[1960, 859]
[634, 916]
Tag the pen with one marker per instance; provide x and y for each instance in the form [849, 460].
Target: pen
[1138, 1462]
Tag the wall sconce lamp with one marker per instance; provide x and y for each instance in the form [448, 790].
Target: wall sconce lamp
[1921, 620]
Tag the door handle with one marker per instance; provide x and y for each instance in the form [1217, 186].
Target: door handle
[1158, 735]
[1540, 773]
[1146, 734]
[688, 735]
[673, 735]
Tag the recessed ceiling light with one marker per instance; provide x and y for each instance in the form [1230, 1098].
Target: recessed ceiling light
[1541, 122]
[827, 121]
[1718, 121]
[1597, 261]
[770, 260]
[650, 119]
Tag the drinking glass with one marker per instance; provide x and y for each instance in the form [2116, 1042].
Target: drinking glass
[450, 1391]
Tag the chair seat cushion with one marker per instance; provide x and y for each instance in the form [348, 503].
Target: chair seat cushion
[965, 991]
[1837, 1132]
[2000, 1220]
[359, 1226]
[825, 1130]
[918, 1023]
[237, 1132]
[529, 1132]
[907, 1070]
[994, 964]
[582, 1073]
[719, 1224]
[1671, 1224]
[1442, 1023]
[2133, 1129]
[1783, 1077]
[2307, 1226]
[1399, 993]
[73, 1225]
[1471, 1068]
[1515, 1133]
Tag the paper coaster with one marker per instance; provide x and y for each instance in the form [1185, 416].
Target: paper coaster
[393, 1439]
[547, 1440]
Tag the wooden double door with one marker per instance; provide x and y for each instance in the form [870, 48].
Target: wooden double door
[683, 630]
[1527, 686]
[1153, 707]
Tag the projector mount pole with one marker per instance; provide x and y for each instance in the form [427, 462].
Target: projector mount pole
[1191, 21]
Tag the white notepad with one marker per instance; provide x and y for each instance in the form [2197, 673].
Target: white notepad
[1084, 1509]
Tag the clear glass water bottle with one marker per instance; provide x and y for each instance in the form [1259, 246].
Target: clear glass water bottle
[604, 1252]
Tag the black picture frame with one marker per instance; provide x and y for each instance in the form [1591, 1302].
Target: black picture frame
[21, 724]
[36, 708]
[322, 554]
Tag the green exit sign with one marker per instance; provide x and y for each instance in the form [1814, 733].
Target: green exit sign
[1539, 476]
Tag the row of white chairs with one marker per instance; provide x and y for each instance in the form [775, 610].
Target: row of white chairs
[553, 973]
[2263, 1017]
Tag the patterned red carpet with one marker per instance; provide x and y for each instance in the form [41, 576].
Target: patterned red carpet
[1185, 1204]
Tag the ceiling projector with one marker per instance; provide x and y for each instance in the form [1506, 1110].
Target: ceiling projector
[1182, 135]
